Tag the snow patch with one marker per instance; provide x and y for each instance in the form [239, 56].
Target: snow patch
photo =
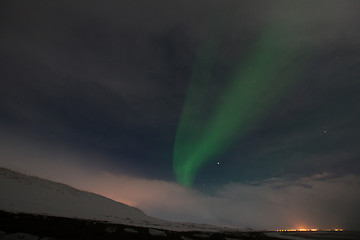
[111, 229]
[157, 233]
[185, 238]
[201, 235]
[130, 230]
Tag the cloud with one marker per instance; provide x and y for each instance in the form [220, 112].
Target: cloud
[318, 201]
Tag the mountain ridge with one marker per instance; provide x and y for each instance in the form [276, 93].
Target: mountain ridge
[21, 193]
[31, 194]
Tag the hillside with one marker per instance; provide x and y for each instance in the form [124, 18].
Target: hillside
[27, 194]
[21, 193]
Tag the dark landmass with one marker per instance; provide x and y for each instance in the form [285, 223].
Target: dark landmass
[325, 235]
[60, 228]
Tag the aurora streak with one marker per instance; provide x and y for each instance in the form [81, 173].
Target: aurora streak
[252, 89]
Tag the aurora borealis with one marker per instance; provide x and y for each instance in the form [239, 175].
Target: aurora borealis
[246, 99]
[234, 112]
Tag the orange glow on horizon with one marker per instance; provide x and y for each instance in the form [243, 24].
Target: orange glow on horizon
[310, 230]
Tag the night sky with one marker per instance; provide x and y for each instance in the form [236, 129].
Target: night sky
[238, 113]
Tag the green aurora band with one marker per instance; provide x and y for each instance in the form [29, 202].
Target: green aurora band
[254, 87]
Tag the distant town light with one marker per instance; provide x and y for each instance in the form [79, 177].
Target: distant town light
[311, 230]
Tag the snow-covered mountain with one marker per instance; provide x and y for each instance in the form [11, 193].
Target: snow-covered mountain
[28, 194]
[22, 193]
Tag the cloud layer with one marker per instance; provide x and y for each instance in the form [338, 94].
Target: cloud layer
[276, 204]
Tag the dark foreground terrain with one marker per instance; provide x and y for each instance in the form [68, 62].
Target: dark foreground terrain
[330, 235]
[28, 226]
